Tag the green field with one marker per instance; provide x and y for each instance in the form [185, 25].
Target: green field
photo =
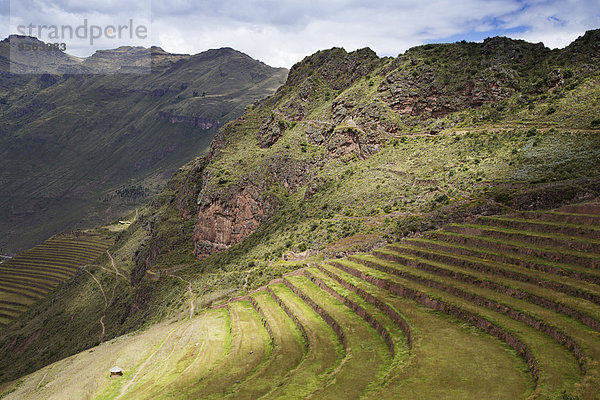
[419, 227]
[500, 307]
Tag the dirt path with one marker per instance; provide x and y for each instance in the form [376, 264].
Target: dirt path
[189, 289]
[117, 274]
[145, 363]
[112, 262]
[248, 276]
[44, 377]
[192, 304]
[99, 285]
[107, 302]
[102, 324]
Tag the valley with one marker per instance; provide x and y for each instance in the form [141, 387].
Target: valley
[421, 226]
[99, 145]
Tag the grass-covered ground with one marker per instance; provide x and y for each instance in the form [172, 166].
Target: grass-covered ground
[424, 318]
[352, 153]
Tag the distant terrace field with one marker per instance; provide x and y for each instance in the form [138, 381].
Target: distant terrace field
[33, 273]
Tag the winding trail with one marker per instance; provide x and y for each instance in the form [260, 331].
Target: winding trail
[145, 363]
[107, 302]
[99, 285]
[189, 288]
[112, 261]
[102, 323]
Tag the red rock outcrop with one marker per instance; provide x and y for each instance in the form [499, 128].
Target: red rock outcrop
[224, 222]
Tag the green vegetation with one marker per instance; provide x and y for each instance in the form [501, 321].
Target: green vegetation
[419, 318]
[367, 356]
[287, 353]
[480, 290]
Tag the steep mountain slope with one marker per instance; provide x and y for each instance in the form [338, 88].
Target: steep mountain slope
[99, 145]
[338, 110]
[352, 152]
[506, 306]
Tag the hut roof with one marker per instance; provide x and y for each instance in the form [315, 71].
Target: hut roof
[116, 369]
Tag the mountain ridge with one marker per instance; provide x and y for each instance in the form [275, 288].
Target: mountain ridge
[336, 164]
[148, 124]
[415, 90]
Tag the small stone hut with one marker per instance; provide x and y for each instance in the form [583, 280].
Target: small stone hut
[116, 371]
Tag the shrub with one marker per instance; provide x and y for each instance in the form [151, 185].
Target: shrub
[442, 198]
[411, 224]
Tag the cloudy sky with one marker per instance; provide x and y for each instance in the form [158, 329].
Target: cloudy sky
[281, 32]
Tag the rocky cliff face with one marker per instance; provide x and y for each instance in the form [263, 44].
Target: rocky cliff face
[226, 222]
[337, 105]
[229, 212]
[200, 122]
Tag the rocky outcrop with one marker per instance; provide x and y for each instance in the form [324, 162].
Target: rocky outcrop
[271, 131]
[202, 123]
[337, 68]
[223, 223]
[424, 93]
[187, 192]
[229, 213]
[337, 106]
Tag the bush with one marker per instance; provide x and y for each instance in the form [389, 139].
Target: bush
[442, 198]
[411, 224]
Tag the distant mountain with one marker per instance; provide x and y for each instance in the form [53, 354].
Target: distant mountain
[23, 54]
[78, 149]
[352, 152]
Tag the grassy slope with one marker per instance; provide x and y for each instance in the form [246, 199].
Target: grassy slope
[479, 160]
[367, 357]
[324, 354]
[287, 352]
[447, 356]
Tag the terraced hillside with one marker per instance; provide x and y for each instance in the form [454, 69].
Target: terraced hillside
[32, 274]
[504, 307]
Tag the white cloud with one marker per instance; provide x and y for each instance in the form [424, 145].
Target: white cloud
[281, 33]
[556, 23]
